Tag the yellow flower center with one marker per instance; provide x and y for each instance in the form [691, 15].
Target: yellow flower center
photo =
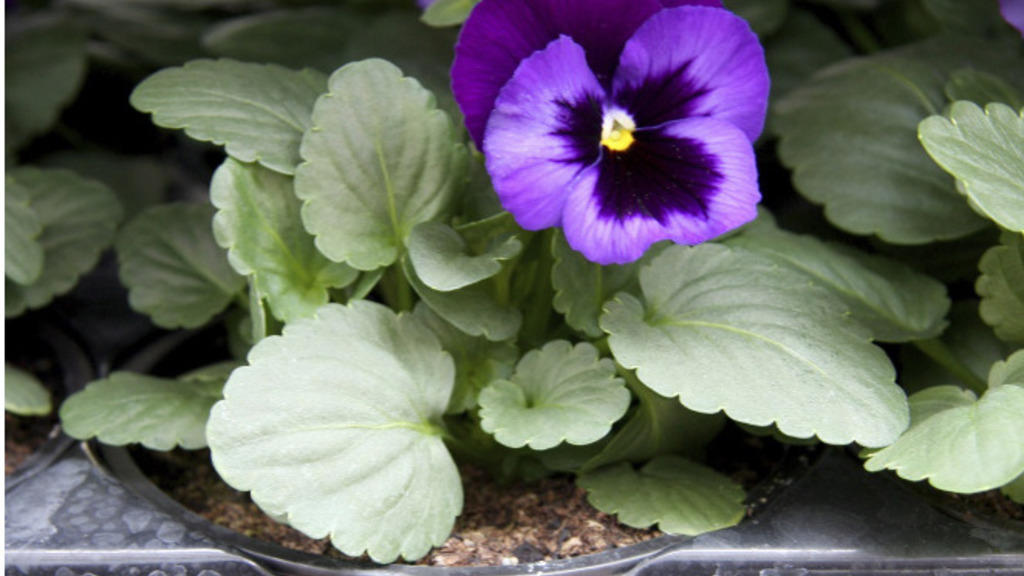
[617, 131]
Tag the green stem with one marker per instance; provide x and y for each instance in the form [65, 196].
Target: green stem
[859, 33]
[941, 354]
[539, 303]
[396, 288]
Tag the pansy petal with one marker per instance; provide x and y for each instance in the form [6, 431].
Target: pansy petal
[499, 34]
[694, 61]
[1013, 13]
[688, 181]
[545, 129]
[674, 3]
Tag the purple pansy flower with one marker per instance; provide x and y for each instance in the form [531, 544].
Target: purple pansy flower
[1013, 12]
[626, 122]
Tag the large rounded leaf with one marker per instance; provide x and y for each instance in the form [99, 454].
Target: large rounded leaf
[729, 330]
[24, 394]
[1001, 287]
[335, 428]
[379, 160]
[258, 112]
[23, 254]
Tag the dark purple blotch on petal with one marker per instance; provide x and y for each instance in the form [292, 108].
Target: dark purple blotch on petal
[657, 177]
[581, 123]
[662, 98]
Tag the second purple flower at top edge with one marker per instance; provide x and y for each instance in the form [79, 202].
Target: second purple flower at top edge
[625, 122]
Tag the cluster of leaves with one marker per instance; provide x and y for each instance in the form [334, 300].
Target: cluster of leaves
[392, 316]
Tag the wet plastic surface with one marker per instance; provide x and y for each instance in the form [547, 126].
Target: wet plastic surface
[78, 509]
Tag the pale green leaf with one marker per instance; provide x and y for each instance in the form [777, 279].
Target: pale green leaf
[307, 37]
[960, 443]
[380, 159]
[335, 428]
[896, 303]
[43, 70]
[79, 218]
[850, 136]
[725, 329]
[582, 287]
[559, 393]
[1001, 287]
[173, 268]
[680, 496]
[24, 394]
[159, 413]
[984, 150]
[478, 361]
[258, 112]
[259, 223]
[472, 309]
[23, 254]
[444, 262]
[981, 88]
[764, 16]
[448, 12]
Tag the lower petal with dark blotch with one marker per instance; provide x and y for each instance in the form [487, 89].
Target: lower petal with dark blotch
[545, 129]
[688, 181]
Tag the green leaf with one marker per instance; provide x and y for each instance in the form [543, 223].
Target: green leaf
[981, 88]
[896, 303]
[335, 428]
[850, 136]
[959, 443]
[658, 426]
[582, 287]
[970, 343]
[24, 394]
[1001, 287]
[680, 496]
[422, 52]
[979, 17]
[380, 159]
[444, 262]
[472, 309]
[44, 68]
[729, 330]
[23, 254]
[1015, 490]
[801, 47]
[559, 393]
[173, 268]
[159, 413]
[984, 150]
[448, 12]
[764, 16]
[478, 361]
[315, 37]
[79, 218]
[259, 222]
[258, 112]
[145, 30]
[138, 181]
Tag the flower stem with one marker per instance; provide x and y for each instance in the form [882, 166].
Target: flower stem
[396, 289]
[859, 33]
[940, 353]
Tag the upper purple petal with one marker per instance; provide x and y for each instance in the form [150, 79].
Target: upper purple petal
[694, 61]
[1013, 12]
[688, 181]
[499, 34]
[545, 129]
